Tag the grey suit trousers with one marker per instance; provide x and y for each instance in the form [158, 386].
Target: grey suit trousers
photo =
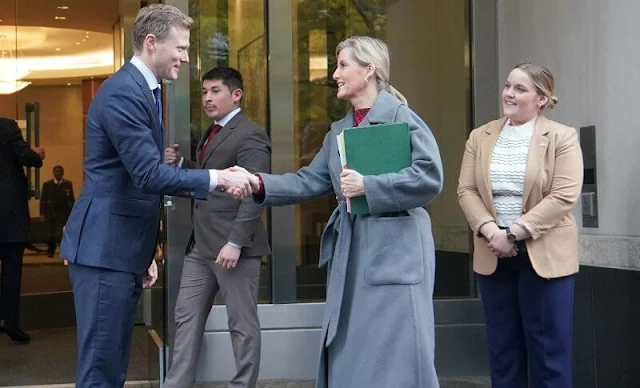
[201, 280]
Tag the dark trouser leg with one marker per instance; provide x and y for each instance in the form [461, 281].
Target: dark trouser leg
[51, 235]
[10, 280]
[507, 351]
[105, 303]
[547, 315]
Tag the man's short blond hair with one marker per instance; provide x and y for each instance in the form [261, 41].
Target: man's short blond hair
[157, 19]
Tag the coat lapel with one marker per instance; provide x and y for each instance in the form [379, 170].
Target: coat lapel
[221, 136]
[148, 96]
[334, 153]
[489, 139]
[537, 150]
[204, 137]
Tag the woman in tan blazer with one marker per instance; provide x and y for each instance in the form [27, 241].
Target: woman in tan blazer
[520, 177]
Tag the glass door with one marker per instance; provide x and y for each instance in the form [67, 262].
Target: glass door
[430, 65]
[286, 52]
[53, 58]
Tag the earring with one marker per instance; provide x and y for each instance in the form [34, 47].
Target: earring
[366, 79]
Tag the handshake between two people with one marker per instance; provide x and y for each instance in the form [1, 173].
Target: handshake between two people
[236, 181]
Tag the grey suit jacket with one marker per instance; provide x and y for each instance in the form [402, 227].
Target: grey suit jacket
[221, 219]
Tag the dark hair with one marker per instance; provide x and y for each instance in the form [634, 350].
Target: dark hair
[58, 166]
[229, 76]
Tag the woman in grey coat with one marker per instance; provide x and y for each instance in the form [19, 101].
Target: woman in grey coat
[378, 328]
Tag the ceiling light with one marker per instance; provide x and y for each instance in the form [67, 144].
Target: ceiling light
[58, 49]
[12, 87]
[64, 7]
[60, 18]
[9, 71]
[68, 84]
[78, 43]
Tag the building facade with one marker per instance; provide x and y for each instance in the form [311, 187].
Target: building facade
[449, 58]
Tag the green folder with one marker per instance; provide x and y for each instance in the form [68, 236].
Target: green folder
[376, 150]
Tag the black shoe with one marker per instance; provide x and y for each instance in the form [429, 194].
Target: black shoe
[34, 248]
[49, 254]
[14, 333]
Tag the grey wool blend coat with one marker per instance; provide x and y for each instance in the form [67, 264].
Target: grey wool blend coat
[378, 328]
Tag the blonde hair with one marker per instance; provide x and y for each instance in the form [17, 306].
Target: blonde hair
[372, 51]
[543, 80]
[157, 19]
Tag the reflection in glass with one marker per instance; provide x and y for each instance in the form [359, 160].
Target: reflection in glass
[230, 33]
[430, 66]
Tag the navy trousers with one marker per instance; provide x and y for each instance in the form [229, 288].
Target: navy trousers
[529, 323]
[105, 303]
[10, 280]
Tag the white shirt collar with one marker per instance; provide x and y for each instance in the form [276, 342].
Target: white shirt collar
[146, 72]
[225, 120]
[57, 182]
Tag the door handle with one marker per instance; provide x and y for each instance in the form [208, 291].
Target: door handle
[32, 111]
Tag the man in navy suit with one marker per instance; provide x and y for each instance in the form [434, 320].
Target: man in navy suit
[110, 236]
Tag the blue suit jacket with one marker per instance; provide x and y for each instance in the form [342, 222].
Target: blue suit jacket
[114, 223]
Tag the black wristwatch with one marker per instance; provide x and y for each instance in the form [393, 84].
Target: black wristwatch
[511, 237]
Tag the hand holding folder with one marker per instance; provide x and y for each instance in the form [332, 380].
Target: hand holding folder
[374, 150]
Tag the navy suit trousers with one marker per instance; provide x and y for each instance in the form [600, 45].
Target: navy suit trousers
[105, 303]
[10, 279]
[529, 323]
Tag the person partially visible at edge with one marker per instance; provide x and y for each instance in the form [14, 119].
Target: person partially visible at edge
[15, 224]
[111, 234]
[378, 328]
[520, 177]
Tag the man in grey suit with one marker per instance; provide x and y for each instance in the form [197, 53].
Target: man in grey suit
[228, 237]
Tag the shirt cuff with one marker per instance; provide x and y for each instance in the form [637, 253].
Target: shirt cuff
[181, 162]
[213, 180]
[234, 245]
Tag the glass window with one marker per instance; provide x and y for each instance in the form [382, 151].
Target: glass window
[430, 65]
[430, 62]
[230, 33]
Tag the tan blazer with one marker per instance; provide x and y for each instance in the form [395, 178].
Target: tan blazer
[552, 184]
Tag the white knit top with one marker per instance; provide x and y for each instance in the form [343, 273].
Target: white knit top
[508, 166]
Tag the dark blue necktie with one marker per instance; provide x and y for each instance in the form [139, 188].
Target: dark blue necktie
[158, 94]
